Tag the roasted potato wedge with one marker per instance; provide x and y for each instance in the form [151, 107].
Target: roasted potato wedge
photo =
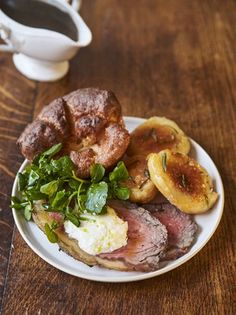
[184, 182]
[142, 189]
[156, 134]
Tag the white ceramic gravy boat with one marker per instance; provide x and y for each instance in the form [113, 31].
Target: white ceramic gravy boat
[42, 54]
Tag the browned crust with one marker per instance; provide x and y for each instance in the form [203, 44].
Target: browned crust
[186, 175]
[142, 189]
[37, 137]
[89, 124]
[149, 139]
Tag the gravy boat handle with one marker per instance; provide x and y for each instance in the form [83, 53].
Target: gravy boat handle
[5, 35]
[7, 48]
[76, 4]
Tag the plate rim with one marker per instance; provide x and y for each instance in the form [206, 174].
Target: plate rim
[131, 278]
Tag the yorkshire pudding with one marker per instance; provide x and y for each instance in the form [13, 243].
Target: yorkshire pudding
[89, 124]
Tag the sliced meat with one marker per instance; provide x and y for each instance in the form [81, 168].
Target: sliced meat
[147, 238]
[180, 226]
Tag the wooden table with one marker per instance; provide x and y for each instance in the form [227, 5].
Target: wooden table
[166, 58]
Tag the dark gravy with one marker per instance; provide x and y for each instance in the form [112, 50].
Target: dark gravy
[39, 14]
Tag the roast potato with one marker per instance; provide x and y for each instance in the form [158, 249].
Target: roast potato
[184, 182]
[142, 189]
[156, 134]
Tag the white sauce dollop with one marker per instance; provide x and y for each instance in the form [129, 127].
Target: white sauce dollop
[99, 233]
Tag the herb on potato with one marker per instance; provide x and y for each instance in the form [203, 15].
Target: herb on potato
[164, 162]
[54, 182]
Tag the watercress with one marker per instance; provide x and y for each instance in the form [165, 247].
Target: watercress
[55, 184]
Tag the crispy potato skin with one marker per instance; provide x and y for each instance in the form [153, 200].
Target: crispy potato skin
[184, 182]
[142, 189]
[156, 134]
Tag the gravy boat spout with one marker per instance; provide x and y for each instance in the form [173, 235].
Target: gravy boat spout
[40, 53]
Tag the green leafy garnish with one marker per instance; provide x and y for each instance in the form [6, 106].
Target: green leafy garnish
[122, 193]
[96, 197]
[119, 173]
[64, 165]
[22, 181]
[116, 191]
[97, 172]
[73, 218]
[52, 151]
[33, 177]
[54, 183]
[22, 204]
[59, 199]
[49, 231]
[50, 188]
[28, 211]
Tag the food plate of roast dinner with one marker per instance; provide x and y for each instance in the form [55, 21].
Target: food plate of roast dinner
[112, 198]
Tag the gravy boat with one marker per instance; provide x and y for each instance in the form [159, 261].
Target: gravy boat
[41, 54]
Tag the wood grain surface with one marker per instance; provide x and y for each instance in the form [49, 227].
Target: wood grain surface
[168, 58]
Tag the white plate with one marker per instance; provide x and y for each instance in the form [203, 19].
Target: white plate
[207, 223]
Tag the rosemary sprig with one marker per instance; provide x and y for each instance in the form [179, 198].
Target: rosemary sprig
[164, 162]
[183, 180]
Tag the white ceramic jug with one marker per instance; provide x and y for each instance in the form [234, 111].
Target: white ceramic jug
[42, 54]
